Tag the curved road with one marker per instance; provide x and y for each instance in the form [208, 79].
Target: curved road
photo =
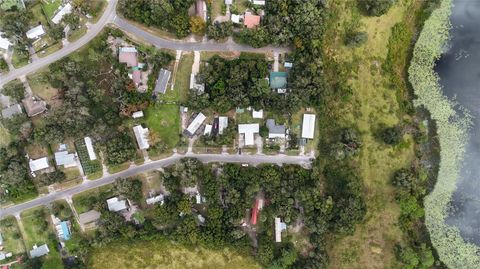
[110, 16]
[205, 158]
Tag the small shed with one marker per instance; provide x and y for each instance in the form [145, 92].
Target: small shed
[91, 152]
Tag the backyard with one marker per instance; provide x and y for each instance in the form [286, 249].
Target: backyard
[163, 254]
[165, 121]
[50, 6]
[11, 236]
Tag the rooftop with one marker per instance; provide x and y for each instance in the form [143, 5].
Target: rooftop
[251, 21]
[89, 216]
[38, 164]
[67, 9]
[275, 131]
[308, 126]
[35, 32]
[162, 81]
[91, 153]
[141, 134]
[128, 55]
[4, 42]
[34, 106]
[115, 205]
[11, 111]
[196, 123]
[39, 251]
[249, 131]
[64, 158]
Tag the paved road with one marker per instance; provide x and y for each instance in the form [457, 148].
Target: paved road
[110, 16]
[93, 31]
[134, 170]
[211, 45]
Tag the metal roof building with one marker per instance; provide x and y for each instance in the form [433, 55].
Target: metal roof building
[278, 80]
[279, 227]
[39, 251]
[128, 55]
[91, 153]
[162, 81]
[249, 131]
[4, 42]
[11, 111]
[89, 217]
[115, 205]
[222, 124]
[64, 158]
[35, 32]
[196, 123]
[38, 164]
[275, 131]
[67, 9]
[308, 126]
[141, 134]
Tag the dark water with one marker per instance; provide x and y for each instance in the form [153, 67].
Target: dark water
[459, 71]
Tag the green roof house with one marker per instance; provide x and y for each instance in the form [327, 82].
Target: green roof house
[278, 80]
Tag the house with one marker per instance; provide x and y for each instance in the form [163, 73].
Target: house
[137, 115]
[196, 123]
[35, 32]
[275, 131]
[39, 251]
[308, 126]
[222, 124]
[249, 131]
[259, 2]
[89, 218]
[136, 76]
[65, 159]
[257, 114]
[91, 153]
[141, 134]
[116, 205]
[235, 18]
[255, 210]
[34, 106]
[128, 55]
[11, 111]
[201, 9]
[4, 42]
[288, 65]
[156, 199]
[208, 129]
[62, 228]
[279, 228]
[162, 81]
[38, 164]
[251, 21]
[67, 9]
[228, 2]
[278, 80]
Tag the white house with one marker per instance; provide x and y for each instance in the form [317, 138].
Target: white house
[235, 18]
[155, 199]
[196, 123]
[115, 205]
[91, 153]
[308, 126]
[4, 42]
[38, 164]
[39, 251]
[208, 129]
[141, 134]
[35, 32]
[137, 115]
[249, 131]
[257, 114]
[65, 159]
[259, 2]
[222, 124]
[67, 9]
[279, 227]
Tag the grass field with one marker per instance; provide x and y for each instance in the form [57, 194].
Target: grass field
[19, 61]
[8, 4]
[84, 201]
[38, 16]
[371, 246]
[182, 81]
[164, 120]
[49, 7]
[4, 136]
[76, 34]
[162, 254]
[12, 238]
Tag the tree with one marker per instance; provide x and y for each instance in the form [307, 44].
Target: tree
[15, 90]
[56, 32]
[15, 24]
[129, 188]
[3, 65]
[375, 7]
[256, 37]
[355, 39]
[197, 25]
[391, 135]
[220, 30]
[72, 20]
[120, 149]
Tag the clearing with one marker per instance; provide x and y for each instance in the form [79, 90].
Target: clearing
[182, 81]
[163, 254]
[165, 121]
[12, 239]
[371, 246]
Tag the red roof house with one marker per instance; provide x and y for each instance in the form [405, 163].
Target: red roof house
[251, 21]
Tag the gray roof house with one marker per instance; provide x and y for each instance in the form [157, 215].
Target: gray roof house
[89, 217]
[34, 106]
[64, 158]
[275, 131]
[39, 251]
[162, 81]
[11, 111]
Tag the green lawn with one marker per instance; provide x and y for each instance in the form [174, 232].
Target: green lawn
[12, 238]
[76, 34]
[182, 81]
[19, 61]
[165, 121]
[163, 254]
[4, 136]
[217, 8]
[38, 16]
[85, 201]
[50, 6]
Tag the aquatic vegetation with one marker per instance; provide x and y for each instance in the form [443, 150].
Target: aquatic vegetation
[453, 124]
